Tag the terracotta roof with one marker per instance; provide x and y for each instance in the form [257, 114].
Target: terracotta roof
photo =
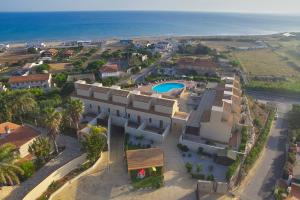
[295, 191]
[104, 90]
[29, 78]
[20, 136]
[206, 116]
[122, 93]
[165, 102]
[144, 158]
[69, 52]
[142, 98]
[9, 125]
[109, 68]
[219, 95]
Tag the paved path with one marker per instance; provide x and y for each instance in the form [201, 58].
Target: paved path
[261, 180]
[115, 183]
[72, 151]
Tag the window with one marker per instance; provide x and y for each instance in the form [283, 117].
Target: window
[128, 115]
[161, 124]
[118, 113]
[108, 110]
[90, 105]
[99, 109]
[150, 120]
[139, 119]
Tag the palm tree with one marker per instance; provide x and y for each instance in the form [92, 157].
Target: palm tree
[9, 172]
[74, 110]
[41, 149]
[52, 121]
[21, 102]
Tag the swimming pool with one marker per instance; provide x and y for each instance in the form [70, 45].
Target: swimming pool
[167, 87]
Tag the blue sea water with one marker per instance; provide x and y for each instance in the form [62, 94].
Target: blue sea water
[40, 26]
[167, 87]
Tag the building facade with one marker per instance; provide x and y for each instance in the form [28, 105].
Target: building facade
[149, 115]
[30, 81]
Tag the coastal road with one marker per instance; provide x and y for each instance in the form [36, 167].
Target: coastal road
[262, 178]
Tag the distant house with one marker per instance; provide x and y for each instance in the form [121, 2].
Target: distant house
[20, 136]
[68, 53]
[49, 53]
[200, 65]
[30, 81]
[2, 88]
[109, 70]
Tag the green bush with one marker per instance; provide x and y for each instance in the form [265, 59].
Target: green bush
[182, 147]
[29, 168]
[259, 145]
[188, 167]
[244, 139]
[198, 176]
[210, 177]
[292, 157]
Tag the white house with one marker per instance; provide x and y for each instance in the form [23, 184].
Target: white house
[20, 136]
[30, 81]
[109, 70]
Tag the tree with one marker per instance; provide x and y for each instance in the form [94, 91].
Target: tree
[52, 121]
[20, 103]
[41, 68]
[94, 143]
[41, 149]
[9, 172]
[74, 110]
[60, 79]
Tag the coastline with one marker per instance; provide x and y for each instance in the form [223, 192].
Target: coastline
[55, 43]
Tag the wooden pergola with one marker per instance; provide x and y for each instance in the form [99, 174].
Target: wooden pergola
[144, 158]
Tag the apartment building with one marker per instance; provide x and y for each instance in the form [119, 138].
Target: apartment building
[149, 115]
[217, 118]
[30, 81]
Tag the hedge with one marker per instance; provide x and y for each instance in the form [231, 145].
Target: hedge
[260, 143]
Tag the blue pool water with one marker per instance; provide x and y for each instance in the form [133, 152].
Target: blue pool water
[167, 87]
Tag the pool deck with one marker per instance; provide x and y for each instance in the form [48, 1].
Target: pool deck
[173, 94]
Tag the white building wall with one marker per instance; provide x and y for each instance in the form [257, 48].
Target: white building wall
[113, 74]
[141, 105]
[85, 93]
[163, 109]
[24, 148]
[119, 99]
[101, 96]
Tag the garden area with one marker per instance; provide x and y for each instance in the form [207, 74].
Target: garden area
[138, 142]
[202, 165]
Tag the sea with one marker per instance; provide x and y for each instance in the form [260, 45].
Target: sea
[52, 26]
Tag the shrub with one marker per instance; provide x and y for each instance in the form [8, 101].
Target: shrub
[139, 137]
[292, 158]
[210, 177]
[182, 147]
[188, 167]
[199, 168]
[200, 150]
[198, 176]
[29, 168]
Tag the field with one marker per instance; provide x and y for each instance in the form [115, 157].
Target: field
[265, 62]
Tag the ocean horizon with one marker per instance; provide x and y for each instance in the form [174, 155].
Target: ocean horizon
[96, 25]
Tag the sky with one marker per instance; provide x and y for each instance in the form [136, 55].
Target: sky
[249, 6]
